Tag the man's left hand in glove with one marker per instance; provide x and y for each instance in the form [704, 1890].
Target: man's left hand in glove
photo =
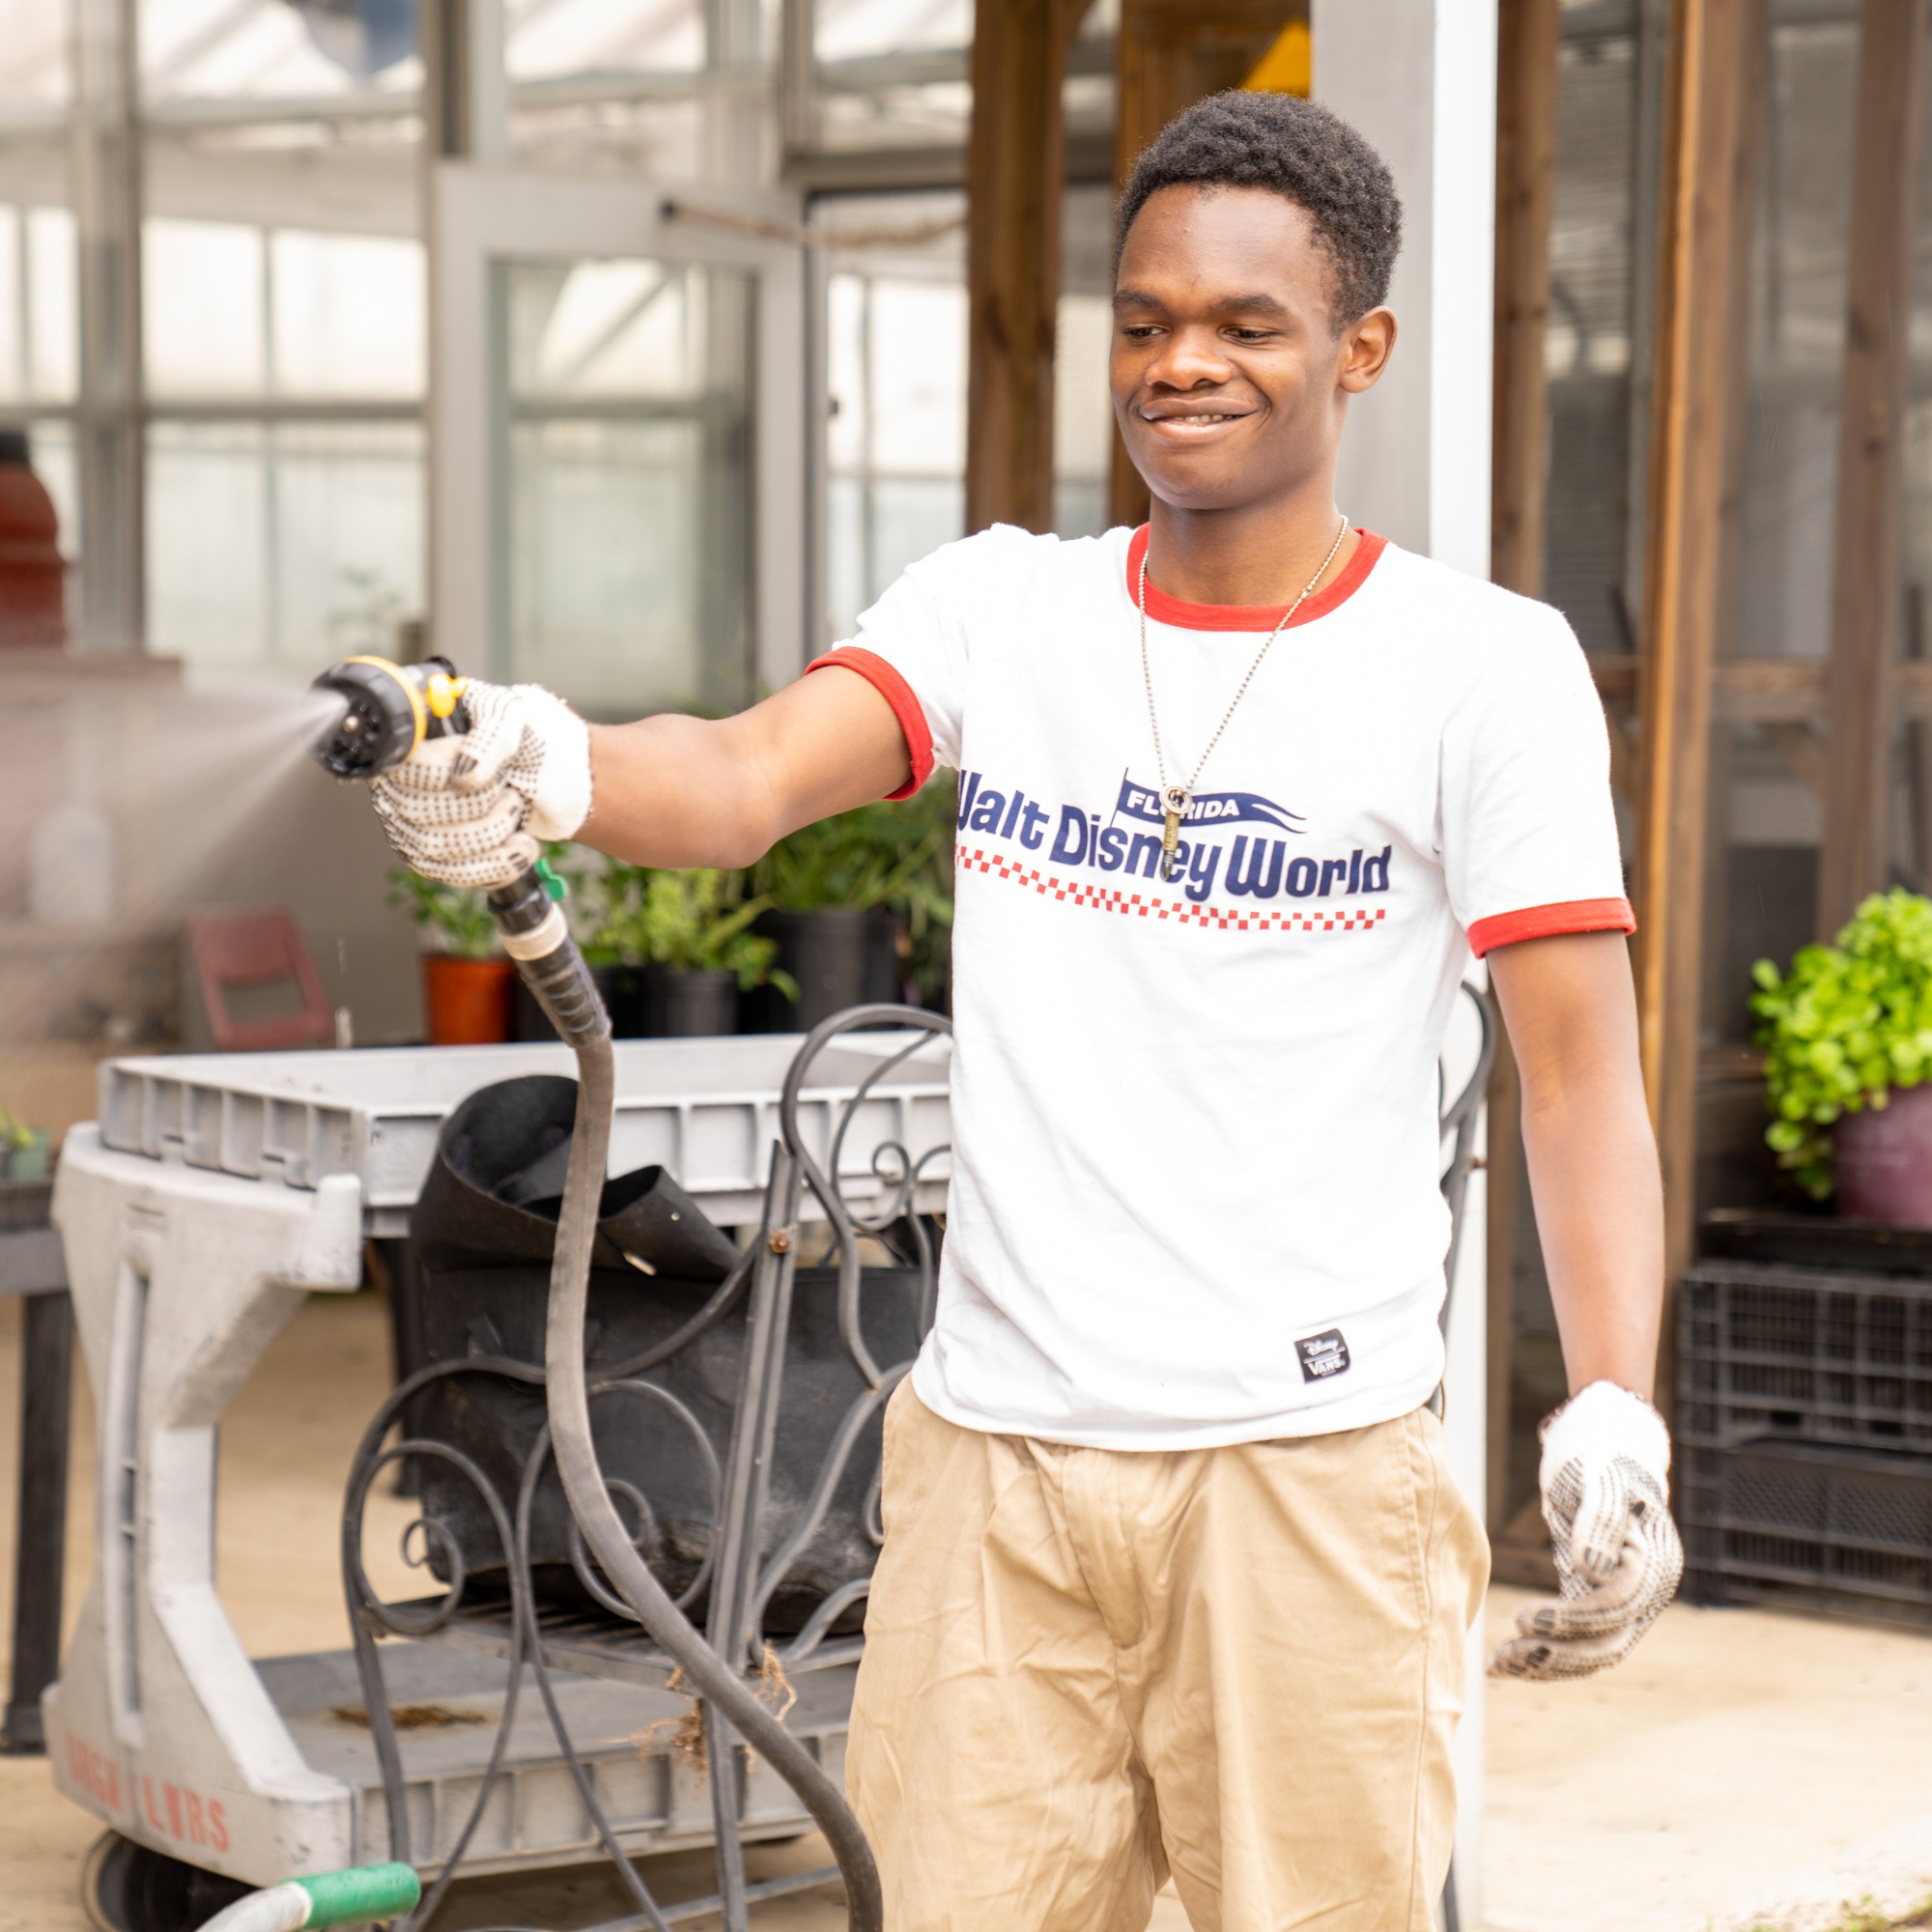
[1605, 1477]
[469, 810]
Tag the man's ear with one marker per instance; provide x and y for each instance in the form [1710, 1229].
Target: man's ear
[1367, 344]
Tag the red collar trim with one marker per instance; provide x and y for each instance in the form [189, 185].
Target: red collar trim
[1185, 617]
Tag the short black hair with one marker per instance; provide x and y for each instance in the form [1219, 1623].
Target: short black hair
[1295, 148]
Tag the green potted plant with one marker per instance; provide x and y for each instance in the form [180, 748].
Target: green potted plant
[863, 904]
[466, 980]
[1847, 1034]
[24, 1150]
[689, 934]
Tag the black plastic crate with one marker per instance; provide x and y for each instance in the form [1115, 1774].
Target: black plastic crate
[1808, 1525]
[1804, 1354]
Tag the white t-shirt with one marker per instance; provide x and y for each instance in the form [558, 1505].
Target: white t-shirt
[1195, 1150]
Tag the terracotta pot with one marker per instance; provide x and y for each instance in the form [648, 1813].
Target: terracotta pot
[466, 1002]
[33, 577]
[1883, 1161]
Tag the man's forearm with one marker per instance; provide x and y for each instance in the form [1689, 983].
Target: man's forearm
[680, 792]
[677, 791]
[1592, 1158]
[1600, 1213]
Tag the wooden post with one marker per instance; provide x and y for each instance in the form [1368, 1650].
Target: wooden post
[1865, 585]
[1706, 109]
[1529, 33]
[1167, 55]
[1528, 38]
[1014, 175]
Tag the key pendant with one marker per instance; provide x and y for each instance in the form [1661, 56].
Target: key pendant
[1174, 802]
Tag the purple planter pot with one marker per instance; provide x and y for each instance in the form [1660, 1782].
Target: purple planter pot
[1882, 1160]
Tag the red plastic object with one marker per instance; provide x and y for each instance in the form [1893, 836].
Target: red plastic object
[466, 1002]
[1883, 1161]
[254, 954]
[33, 574]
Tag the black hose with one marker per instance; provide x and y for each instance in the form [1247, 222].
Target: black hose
[563, 985]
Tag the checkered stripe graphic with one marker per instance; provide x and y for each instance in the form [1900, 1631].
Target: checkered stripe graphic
[1137, 905]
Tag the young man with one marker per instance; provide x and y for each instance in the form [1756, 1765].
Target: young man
[1175, 1577]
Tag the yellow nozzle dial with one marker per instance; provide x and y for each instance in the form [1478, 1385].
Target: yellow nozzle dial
[445, 694]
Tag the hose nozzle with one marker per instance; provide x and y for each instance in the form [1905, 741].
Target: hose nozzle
[389, 710]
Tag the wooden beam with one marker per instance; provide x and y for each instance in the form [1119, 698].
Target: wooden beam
[1754, 691]
[1803, 750]
[1705, 108]
[1167, 55]
[1530, 38]
[1015, 169]
[1865, 584]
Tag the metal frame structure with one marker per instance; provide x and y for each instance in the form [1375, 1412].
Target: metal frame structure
[738, 1573]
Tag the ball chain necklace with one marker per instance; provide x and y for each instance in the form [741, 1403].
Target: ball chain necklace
[1174, 798]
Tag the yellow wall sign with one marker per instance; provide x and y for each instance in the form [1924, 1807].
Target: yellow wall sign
[1289, 65]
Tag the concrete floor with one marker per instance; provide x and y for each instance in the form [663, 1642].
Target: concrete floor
[1744, 1769]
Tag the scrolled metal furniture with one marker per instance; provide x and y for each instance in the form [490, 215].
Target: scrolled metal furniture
[871, 1218]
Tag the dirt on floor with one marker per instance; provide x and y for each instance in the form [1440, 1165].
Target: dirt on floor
[1742, 1771]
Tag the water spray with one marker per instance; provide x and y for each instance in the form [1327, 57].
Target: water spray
[389, 713]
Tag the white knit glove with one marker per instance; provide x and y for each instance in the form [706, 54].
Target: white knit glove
[470, 810]
[1605, 1496]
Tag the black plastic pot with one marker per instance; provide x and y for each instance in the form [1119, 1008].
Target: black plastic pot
[624, 990]
[682, 1006]
[840, 958]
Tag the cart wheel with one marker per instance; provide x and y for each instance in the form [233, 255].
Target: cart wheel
[126, 1887]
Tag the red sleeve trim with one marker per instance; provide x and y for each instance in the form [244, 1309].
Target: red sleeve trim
[897, 692]
[1547, 922]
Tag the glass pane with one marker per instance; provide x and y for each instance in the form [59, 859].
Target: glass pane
[51, 307]
[629, 499]
[845, 29]
[37, 346]
[1587, 347]
[208, 542]
[348, 315]
[203, 308]
[307, 49]
[277, 548]
[583, 37]
[349, 538]
[33, 52]
[918, 400]
[1797, 341]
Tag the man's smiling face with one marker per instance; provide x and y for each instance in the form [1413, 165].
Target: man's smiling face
[1229, 368]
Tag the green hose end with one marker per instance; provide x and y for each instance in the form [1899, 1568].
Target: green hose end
[361, 1893]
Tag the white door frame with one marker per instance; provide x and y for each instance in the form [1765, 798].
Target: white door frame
[482, 215]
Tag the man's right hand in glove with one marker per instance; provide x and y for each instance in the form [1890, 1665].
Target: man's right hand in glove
[1605, 1496]
[669, 790]
[1600, 1215]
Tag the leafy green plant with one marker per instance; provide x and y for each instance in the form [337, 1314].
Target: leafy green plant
[893, 855]
[691, 921]
[14, 1132]
[459, 916]
[1846, 1025]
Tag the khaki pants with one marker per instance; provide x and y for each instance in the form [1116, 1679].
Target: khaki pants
[1085, 1668]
